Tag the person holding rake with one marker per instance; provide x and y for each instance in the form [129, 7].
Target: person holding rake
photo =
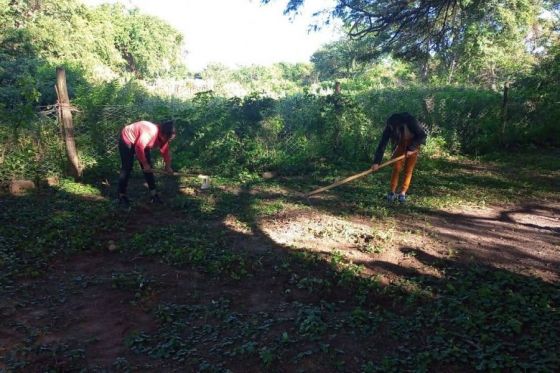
[406, 136]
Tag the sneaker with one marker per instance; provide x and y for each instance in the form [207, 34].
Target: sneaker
[156, 200]
[391, 196]
[124, 201]
[402, 198]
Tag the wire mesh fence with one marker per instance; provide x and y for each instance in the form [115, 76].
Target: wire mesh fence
[38, 147]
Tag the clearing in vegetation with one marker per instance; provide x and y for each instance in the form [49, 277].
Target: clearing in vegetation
[249, 276]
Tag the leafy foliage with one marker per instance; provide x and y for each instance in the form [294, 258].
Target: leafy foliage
[474, 41]
[276, 80]
[540, 99]
[46, 226]
[199, 295]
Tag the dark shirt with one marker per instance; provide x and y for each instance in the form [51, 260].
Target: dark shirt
[395, 134]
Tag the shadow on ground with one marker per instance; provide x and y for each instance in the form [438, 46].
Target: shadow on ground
[198, 284]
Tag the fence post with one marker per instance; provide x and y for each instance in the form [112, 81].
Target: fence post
[65, 117]
[504, 111]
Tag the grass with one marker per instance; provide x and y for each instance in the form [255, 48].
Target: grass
[37, 228]
[220, 300]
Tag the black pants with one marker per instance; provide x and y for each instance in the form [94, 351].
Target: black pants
[127, 160]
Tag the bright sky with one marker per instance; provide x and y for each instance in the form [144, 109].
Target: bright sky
[239, 32]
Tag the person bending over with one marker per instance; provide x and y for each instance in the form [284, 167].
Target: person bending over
[406, 135]
[138, 139]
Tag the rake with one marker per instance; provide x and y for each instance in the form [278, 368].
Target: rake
[354, 177]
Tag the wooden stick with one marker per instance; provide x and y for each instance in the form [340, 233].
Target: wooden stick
[160, 172]
[354, 177]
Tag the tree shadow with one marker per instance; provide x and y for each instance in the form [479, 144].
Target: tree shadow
[499, 236]
[480, 283]
[267, 302]
[533, 209]
[475, 310]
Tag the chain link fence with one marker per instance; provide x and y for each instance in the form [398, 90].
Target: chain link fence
[470, 119]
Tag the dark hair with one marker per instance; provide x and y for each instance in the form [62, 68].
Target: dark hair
[167, 128]
[399, 118]
[396, 122]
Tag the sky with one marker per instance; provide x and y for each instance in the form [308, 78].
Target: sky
[239, 32]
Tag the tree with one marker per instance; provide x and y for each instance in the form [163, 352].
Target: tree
[150, 47]
[342, 59]
[540, 92]
[449, 33]
[104, 42]
[299, 73]
[19, 65]
[67, 124]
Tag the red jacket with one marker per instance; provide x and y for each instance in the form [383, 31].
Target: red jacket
[144, 135]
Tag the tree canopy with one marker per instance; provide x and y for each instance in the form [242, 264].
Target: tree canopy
[484, 40]
[94, 44]
[107, 38]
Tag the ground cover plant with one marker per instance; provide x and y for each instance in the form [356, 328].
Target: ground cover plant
[252, 276]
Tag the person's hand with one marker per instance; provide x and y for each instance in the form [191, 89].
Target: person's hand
[410, 153]
[148, 170]
[168, 170]
[375, 167]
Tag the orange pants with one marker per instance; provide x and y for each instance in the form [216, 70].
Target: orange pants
[408, 164]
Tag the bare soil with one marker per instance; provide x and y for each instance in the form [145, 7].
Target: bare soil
[77, 305]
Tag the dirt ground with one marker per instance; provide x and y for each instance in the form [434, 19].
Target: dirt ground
[524, 239]
[77, 313]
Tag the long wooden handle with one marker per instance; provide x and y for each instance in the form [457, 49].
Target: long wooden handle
[184, 174]
[354, 177]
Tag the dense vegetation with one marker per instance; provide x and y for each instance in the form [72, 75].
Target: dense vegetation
[279, 117]
[205, 287]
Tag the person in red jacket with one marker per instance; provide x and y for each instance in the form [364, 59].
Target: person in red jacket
[138, 139]
[407, 135]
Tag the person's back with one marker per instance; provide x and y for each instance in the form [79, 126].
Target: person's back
[138, 139]
[407, 135]
[143, 130]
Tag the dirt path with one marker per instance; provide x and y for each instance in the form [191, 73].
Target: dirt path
[88, 306]
[524, 239]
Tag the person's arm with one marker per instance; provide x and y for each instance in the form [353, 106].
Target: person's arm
[166, 154]
[382, 145]
[419, 135]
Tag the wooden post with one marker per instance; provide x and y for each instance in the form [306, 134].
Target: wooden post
[504, 112]
[428, 104]
[65, 117]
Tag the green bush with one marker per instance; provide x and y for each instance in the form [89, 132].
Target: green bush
[32, 153]
[294, 134]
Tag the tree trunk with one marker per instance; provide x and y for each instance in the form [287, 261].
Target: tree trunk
[65, 117]
[424, 71]
[451, 71]
[337, 88]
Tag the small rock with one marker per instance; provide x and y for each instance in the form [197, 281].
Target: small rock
[52, 181]
[21, 187]
[188, 191]
[112, 246]
[268, 175]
